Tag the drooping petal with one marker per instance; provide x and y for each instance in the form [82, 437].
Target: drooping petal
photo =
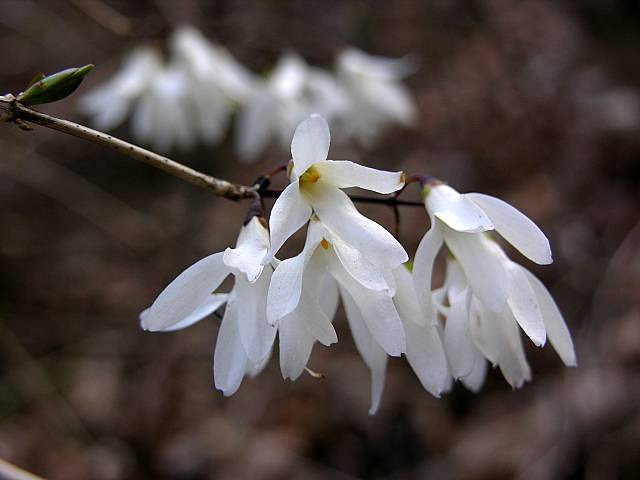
[286, 282]
[377, 310]
[515, 227]
[289, 213]
[336, 210]
[210, 305]
[330, 297]
[256, 334]
[456, 210]
[524, 304]
[475, 379]
[557, 331]
[310, 143]
[457, 339]
[317, 322]
[254, 126]
[361, 269]
[423, 268]
[296, 344]
[406, 299]
[372, 353]
[482, 267]
[426, 356]
[346, 174]
[251, 247]
[187, 293]
[229, 358]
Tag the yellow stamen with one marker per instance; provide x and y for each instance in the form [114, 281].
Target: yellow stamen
[310, 176]
[324, 244]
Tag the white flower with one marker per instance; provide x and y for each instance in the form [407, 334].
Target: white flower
[217, 82]
[378, 97]
[109, 104]
[457, 219]
[473, 332]
[245, 338]
[277, 105]
[316, 188]
[366, 283]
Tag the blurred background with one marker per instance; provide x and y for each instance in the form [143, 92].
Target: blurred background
[535, 101]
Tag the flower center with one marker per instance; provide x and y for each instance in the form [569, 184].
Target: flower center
[324, 244]
[311, 175]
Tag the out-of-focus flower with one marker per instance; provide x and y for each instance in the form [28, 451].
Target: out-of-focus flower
[315, 187]
[292, 91]
[109, 104]
[378, 97]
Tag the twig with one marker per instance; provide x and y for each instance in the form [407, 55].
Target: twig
[18, 113]
[221, 188]
[106, 16]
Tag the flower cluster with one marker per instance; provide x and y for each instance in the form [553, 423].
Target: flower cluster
[445, 334]
[190, 97]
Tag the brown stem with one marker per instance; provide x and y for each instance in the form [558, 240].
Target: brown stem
[17, 112]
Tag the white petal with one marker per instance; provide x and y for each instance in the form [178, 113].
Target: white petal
[289, 213]
[377, 311]
[296, 344]
[372, 354]
[524, 304]
[336, 210]
[475, 379]
[310, 143]
[310, 308]
[362, 270]
[256, 334]
[329, 298]
[406, 300]
[515, 227]
[456, 210]
[251, 247]
[426, 356]
[423, 268]
[345, 174]
[229, 359]
[210, 305]
[483, 268]
[187, 293]
[254, 126]
[457, 339]
[286, 282]
[557, 330]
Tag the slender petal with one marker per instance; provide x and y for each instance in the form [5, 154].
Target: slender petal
[229, 358]
[296, 344]
[515, 227]
[310, 143]
[361, 269]
[186, 293]
[372, 354]
[423, 268]
[210, 305]
[289, 213]
[345, 174]
[456, 210]
[524, 304]
[457, 339]
[475, 379]
[377, 310]
[252, 245]
[406, 299]
[555, 325]
[256, 334]
[286, 282]
[482, 266]
[336, 210]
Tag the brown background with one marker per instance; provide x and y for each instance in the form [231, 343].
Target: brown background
[534, 101]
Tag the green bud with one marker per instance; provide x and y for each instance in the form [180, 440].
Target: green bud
[409, 265]
[53, 87]
[426, 190]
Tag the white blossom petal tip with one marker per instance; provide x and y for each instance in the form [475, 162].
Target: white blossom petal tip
[310, 143]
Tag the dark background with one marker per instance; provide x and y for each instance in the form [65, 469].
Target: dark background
[535, 101]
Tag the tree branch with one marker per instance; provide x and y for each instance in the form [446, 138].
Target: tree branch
[17, 112]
